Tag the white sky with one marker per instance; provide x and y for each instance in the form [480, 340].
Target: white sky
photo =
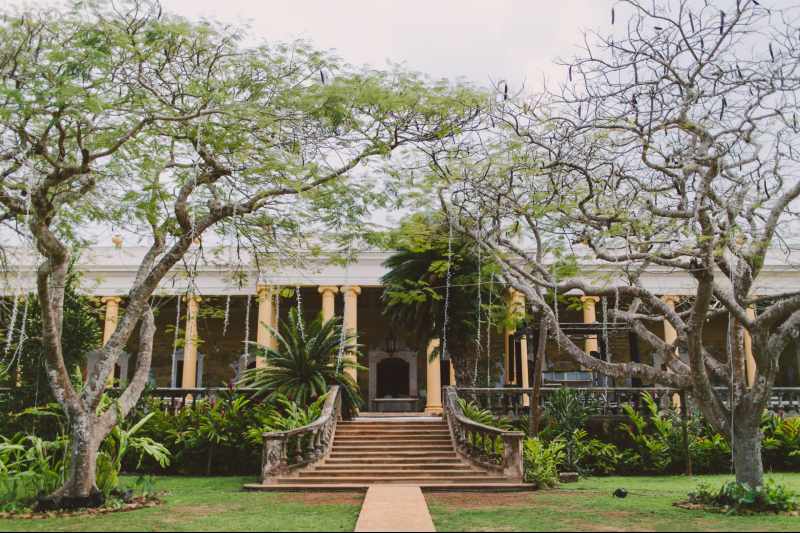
[515, 40]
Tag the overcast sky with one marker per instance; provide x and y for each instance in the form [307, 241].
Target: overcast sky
[477, 40]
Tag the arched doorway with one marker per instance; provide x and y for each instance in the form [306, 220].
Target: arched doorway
[393, 375]
[393, 381]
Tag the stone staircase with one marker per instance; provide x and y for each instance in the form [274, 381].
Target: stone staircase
[393, 450]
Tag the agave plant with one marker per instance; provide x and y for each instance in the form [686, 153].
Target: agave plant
[305, 364]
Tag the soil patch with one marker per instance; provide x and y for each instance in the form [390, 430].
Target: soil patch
[133, 505]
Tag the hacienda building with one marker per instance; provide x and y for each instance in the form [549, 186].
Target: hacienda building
[212, 311]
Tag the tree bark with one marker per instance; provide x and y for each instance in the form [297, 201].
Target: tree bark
[747, 462]
[541, 349]
[80, 488]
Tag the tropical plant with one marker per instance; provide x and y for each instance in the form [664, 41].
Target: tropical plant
[711, 454]
[120, 441]
[305, 364]
[741, 498]
[288, 415]
[591, 456]
[29, 466]
[476, 413]
[652, 438]
[781, 441]
[415, 287]
[542, 460]
[567, 410]
[210, 429]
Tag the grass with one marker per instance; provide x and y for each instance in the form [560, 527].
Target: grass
[215, 504]
[589, 506]
[218, 504]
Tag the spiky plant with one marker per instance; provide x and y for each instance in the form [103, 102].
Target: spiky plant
[305, 364]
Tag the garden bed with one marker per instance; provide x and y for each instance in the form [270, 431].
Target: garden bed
[134, 504]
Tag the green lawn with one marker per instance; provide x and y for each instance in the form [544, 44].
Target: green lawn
[215, 504]
[218, 504]
[589, 506]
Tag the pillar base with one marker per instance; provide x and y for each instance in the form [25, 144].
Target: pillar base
[434, 410]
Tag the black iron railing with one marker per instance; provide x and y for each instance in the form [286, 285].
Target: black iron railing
[515, 402]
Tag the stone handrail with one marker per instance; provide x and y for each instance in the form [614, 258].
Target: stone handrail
[286, 453]
[489, 447]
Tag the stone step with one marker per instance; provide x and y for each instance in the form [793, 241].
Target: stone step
[416, 439]
[348, 455]
[348, 467]
[391, 472]
[418, 480]
[427, 486]
[392, 425]
[382, 459]
[389, 448]
[391, 432]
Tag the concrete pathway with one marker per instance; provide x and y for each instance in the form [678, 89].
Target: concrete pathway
[394, 508]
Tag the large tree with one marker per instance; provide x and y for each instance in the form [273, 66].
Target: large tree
[123, 115]
[671, 145]
[438, 284]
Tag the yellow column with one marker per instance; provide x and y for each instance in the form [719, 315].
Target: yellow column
[110, 324]
[589, 304]
[516, 305]
[433, 403]
[264, 336]
[452, 374]
[112, 316]
[670, 335]
[669, 331]
[750, 360]
[351, 293]
[518, 300]
[189, 377]
[328, 293]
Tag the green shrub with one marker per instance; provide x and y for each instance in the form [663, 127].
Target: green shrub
[593, 456]
[710, 454]
[541, 462]
[781, 444]
[656, 440]
[740, 498]
[567, 410]
[29, 466]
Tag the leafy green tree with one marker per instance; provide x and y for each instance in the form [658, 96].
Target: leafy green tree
[123, 115]
[305, 363]
[416, 290]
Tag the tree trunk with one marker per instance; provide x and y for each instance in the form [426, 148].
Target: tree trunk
[80, 488]
[747, 461]
[541, 350]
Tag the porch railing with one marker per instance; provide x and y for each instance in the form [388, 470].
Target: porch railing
[510, 402]
[173, 400]
[489, 447]
[286, 453]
